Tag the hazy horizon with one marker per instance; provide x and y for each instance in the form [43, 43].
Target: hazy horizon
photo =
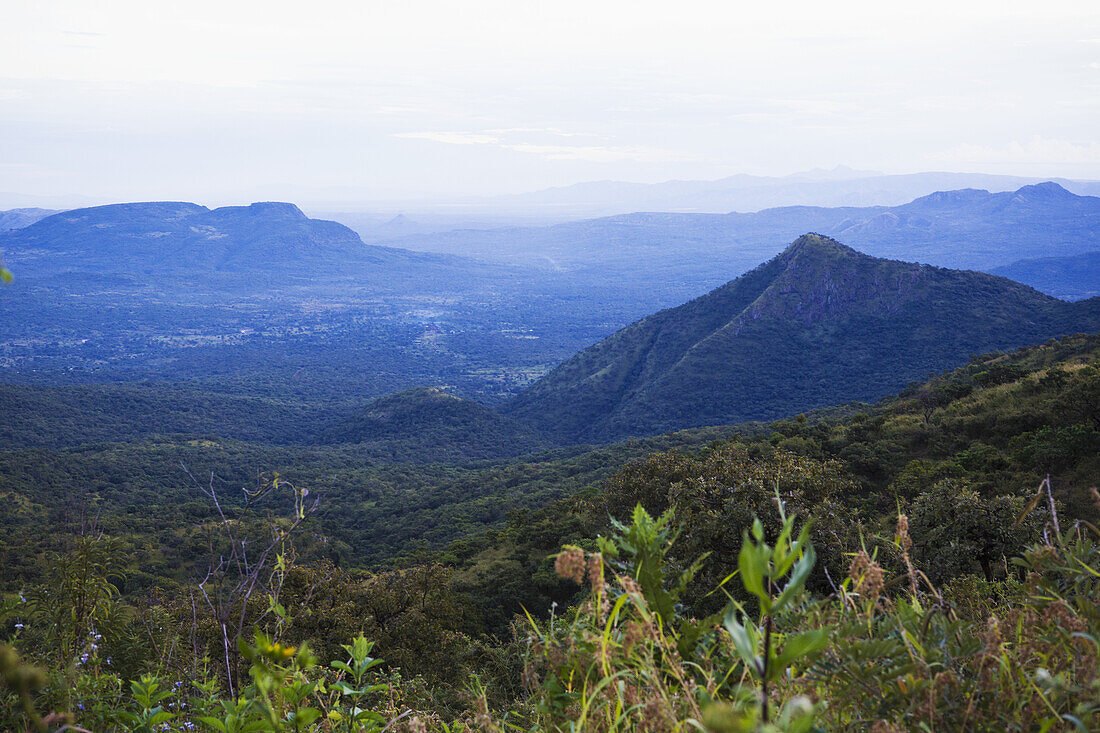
[247, 101]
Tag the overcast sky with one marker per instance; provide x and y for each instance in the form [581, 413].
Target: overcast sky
[229, 101]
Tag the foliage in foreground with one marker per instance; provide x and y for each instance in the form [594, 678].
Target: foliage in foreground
[876, 653]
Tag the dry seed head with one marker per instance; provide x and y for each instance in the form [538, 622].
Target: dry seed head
[530, 678]
[630, 585]
[595, 572]
[555, 656]
[632, 696]
[903, 533]
[654, 716]
[632, 634]
[993, 638]
[858, 567]
[570, 564]
[867, 576]
[881, 726]
[483, 719]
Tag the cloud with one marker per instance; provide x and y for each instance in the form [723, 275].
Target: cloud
[450, 138]
[1036, 150]
[540, 130]
[588, 153]
[602, 154]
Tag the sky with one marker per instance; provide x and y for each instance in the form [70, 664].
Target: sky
[223, 102]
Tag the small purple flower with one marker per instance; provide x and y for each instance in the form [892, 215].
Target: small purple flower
[19, 626]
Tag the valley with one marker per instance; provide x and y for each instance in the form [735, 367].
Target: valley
[434, 426]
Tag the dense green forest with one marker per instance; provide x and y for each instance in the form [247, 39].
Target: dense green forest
[928, 562]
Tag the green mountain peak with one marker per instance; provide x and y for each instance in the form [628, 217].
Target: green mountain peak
[820, 324]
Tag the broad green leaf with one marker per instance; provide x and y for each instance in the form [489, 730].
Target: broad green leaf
[798, 578]
[799, 646]
[214, 723]
[751, 565]
[744, 642]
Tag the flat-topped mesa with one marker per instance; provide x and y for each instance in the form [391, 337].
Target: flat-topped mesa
[137, 210]
[265, 209]
[178, 236]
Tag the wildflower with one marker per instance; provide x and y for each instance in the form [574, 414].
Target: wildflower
[19, 626]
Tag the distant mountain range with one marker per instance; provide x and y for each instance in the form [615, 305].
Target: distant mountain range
[820, 324]
[966, 228]
[677, 255]
[839, 187]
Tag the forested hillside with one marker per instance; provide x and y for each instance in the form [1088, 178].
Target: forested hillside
[1072, 277]
[430, 425]
[962, 457]
[818, 325]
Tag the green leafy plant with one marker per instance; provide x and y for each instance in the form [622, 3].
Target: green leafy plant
[775, 576]
[355, 687]
[149, 695]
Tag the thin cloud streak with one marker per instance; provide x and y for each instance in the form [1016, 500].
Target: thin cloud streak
[587, 153]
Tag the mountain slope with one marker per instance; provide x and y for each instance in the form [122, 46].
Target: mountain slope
[429, 425]
[1072, 278]
[820, 324]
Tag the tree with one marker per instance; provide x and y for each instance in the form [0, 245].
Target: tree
[954, 528]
